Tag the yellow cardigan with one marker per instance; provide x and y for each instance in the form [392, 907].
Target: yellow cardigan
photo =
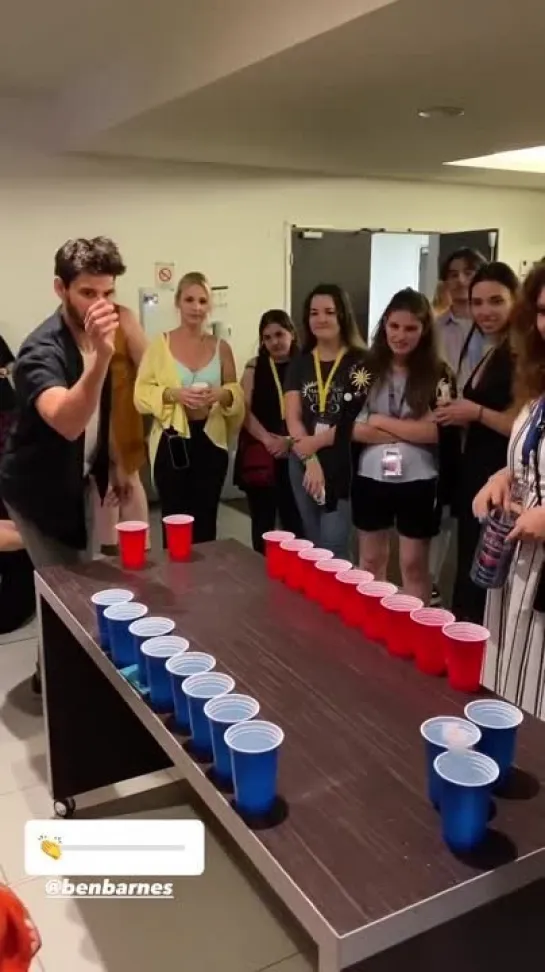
[157, 372]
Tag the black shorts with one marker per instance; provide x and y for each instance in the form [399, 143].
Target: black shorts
[412, 508]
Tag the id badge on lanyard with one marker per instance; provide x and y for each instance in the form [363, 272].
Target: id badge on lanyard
[521, 485]
[392, 463]
[279, 389]
[392, 458]
[322, 425]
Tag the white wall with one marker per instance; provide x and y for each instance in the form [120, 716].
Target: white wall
[395, 264]
[229, 223]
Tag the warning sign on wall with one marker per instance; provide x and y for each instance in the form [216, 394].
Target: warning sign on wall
[165, 275]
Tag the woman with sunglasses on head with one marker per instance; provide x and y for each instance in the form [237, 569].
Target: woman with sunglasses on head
[325, 387]
[485, 413]
[261, 464]
[398, 481]
[515, 614]
[187, 382]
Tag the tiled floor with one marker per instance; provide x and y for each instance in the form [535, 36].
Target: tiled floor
[220, 922]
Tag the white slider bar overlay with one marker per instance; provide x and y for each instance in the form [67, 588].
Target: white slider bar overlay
[166, 848]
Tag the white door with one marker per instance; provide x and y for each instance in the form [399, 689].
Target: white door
[157, 311]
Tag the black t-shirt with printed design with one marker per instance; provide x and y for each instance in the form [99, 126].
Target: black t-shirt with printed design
[347, 392]
[346, 397]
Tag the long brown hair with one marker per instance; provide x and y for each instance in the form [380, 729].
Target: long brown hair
[424, 363]
[350, 335]
[528, 345]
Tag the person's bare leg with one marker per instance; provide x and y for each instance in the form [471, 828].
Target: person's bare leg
[414, 563]
[439, 550]
[136, 506]
[374, 550]
[106, 517]
[10, 538]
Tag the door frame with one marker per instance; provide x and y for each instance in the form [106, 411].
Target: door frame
[289, 228]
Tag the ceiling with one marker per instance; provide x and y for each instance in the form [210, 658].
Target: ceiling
[301, 85]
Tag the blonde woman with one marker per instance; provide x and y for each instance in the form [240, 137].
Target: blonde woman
[187, 382]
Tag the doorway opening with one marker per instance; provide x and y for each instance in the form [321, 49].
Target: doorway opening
[371, 265]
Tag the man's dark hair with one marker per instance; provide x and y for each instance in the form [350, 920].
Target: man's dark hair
[471, 257]
[99, 257]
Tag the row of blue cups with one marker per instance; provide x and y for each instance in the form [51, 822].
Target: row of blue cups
[467, 760]
[222, 724]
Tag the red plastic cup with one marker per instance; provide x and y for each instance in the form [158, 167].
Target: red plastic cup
[291, 565]
[464, 647]
[309, 558]
[398, 625]
[328, 589]
[372, 613]
[132, 543]
[273, 554]
[429, 640]
[179, 531]
[350, 580]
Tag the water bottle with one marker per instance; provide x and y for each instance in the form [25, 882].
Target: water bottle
[494, 553]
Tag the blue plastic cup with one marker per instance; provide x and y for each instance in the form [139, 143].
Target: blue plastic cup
[498, 722]
[119, 618]
[439, 734]
[143, 630]
[156, 652]
[254, 748]
[102, 600]
[222, 713]
[467, 778]
[198, 689]
[180, 668]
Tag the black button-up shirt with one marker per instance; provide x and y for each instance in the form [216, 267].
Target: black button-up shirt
[41, 472]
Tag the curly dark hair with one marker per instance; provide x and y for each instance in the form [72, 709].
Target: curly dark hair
[424, 364]
[98, 256]
[528, 345]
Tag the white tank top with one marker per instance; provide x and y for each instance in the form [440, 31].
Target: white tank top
[91, 432]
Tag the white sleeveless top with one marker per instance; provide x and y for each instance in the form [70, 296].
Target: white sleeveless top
[92, 430]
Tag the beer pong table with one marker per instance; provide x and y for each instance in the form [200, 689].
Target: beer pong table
[353, 849]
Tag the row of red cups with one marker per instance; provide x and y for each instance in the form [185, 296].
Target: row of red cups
[431, 636]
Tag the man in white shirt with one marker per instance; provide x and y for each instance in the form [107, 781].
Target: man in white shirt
[455, 325]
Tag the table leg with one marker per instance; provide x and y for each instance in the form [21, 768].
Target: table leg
[328, 958]
[93, 738]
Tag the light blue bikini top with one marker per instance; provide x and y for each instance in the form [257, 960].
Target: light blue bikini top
[210, 374]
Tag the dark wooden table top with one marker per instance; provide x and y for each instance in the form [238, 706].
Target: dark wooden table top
[360, 838]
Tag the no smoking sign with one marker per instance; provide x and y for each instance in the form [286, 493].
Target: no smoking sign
[164, 275]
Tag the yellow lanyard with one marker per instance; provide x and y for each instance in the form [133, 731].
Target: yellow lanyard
[279, 388]
[323, 390]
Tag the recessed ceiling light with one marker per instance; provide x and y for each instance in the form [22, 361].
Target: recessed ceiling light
[441, 111]
[520, 160]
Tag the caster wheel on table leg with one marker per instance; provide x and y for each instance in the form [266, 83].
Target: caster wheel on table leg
[65, 808]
